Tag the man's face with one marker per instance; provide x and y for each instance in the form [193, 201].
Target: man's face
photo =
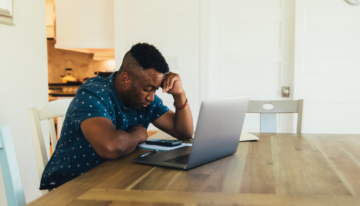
[142, 89]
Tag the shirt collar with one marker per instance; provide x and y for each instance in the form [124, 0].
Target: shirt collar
[110, 80]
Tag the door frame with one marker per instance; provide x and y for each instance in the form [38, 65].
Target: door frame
[299, 48]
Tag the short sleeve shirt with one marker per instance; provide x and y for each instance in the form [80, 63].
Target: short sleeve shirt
[97, 97]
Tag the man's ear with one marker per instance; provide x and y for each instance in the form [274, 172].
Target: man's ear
[125, 79]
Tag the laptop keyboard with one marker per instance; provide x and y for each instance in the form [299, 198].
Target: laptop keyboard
[183, 159]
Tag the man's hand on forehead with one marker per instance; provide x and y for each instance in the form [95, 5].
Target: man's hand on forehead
[179, 123]
[172, 84]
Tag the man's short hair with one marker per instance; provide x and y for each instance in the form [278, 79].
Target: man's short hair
[144, 56]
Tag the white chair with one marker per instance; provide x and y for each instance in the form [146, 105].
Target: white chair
[268, 115]
[55, 109]
[10, 169]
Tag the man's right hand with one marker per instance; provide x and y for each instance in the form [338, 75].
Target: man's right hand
[139, 132]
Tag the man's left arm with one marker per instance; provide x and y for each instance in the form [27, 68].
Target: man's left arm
[179, 123]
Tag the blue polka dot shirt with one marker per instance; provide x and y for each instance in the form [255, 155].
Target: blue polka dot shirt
[74, 155]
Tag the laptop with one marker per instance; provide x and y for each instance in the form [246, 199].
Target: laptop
[216, 136]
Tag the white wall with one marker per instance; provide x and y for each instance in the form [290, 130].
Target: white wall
[172, 26]
[84, 24]
[23, 84]
[331, 74]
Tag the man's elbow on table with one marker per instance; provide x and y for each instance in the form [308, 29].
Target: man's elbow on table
[110, 151]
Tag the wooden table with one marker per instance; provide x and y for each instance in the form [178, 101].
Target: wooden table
[280, 169]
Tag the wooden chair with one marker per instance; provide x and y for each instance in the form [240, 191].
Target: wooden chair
[268, 115]
[55, 109]
[10, 169]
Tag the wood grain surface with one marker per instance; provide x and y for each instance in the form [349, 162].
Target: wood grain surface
[279, 169]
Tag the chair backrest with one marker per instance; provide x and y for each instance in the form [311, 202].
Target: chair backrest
[268, 115]
[49, 111]
[10, 169]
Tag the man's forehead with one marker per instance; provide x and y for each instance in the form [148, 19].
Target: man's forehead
[153, 77]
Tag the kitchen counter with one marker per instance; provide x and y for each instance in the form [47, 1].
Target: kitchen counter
[63, 90]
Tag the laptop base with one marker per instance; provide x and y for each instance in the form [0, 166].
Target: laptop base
[159, 159]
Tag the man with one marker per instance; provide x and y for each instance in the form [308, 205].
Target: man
[108, 118]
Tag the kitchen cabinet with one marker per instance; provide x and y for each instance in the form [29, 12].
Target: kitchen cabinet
[50, 18]
[85, 26]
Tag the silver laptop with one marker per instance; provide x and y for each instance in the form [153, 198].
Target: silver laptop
[216, 136]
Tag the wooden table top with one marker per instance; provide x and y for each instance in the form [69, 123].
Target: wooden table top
[279, 169]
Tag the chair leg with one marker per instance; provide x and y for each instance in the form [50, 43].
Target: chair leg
[10, 169]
